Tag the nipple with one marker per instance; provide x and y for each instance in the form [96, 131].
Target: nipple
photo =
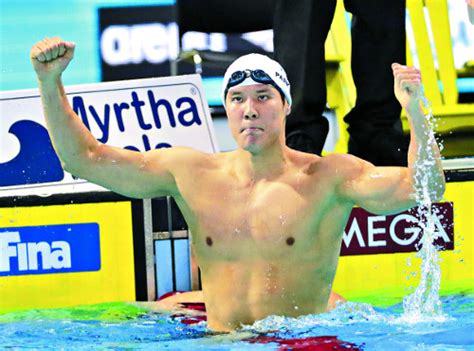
[209, 241]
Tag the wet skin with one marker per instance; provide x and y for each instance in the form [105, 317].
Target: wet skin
[266, 220]
[256, 259]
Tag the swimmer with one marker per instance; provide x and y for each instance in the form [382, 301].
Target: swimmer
[267, 221]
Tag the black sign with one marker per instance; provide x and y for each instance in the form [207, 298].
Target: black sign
[140, 42]
[136, 42]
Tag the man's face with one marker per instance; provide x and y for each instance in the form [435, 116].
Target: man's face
[256, 116]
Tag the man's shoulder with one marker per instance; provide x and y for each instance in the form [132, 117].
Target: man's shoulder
[210, 161]
[348, 160]
[181, 157]
[341, 159]
[301, 158]
[343, 165]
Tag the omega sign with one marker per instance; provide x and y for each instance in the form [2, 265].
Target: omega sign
[367, 233]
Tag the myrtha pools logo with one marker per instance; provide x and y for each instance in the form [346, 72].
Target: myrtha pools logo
[130, 115]
[49, 249]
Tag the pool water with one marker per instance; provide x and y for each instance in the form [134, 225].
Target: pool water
[352, 326]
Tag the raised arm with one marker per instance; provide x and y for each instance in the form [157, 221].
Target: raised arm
[127, 172]
[393, 189]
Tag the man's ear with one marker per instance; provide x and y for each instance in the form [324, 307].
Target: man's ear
[287, 109]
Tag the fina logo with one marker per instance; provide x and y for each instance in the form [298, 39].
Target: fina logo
[54, 256]
[49, 249]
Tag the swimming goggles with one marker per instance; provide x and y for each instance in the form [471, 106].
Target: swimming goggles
[258, 75]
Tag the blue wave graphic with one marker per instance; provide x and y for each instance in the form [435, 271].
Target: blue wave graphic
[36, 162]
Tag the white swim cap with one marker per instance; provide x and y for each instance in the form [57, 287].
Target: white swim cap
[246, 70]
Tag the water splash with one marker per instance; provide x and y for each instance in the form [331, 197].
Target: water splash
[424, 303]
[342, 315]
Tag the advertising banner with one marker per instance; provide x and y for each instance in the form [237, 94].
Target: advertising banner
[65, 255]
[140, 41]
[138, 115]
[381, 262]
[49, 249]
[367, 233]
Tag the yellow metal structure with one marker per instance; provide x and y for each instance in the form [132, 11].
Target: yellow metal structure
[341, 93]
[439, 80]
[430, 17]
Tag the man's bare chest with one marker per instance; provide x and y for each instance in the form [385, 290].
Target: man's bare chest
[262, 219]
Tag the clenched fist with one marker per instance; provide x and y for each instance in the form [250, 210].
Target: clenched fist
[407, 85]
[50, 57]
